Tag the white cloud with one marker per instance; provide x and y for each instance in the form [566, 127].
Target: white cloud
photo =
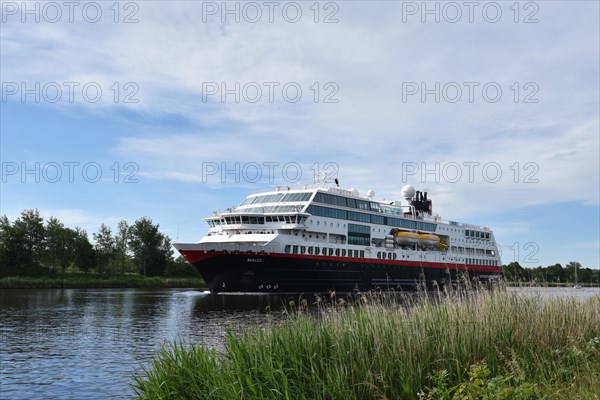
[373, 129]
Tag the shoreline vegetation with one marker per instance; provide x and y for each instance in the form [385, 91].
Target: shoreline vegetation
[463, 344]
[96, 281]
[131, 280]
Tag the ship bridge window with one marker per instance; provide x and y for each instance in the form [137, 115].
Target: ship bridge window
[233, 220]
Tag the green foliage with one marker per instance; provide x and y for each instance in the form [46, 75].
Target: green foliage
[28, 247]
[151, 249]
[122, 258]
[514, 272]
[106, 249]
[61, 245]
[380, 347]
[92, 280]
[180, 267]
[553, 274]
[21, 244]
[481, 385]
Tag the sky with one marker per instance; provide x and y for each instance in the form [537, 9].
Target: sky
[175, 109]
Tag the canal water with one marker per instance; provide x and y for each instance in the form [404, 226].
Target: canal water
[86, 343]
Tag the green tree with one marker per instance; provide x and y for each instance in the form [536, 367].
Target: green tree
[121, 248]
[85, 256]
[513, 272]
[180, 267]
[21, 244]
[585, 275]
[150, 248]
[555, 273]
[32, 233]
[105, 246]
[61, 245]
[538, 274]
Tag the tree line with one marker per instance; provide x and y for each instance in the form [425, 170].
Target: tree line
[31, 246]
[556, 273]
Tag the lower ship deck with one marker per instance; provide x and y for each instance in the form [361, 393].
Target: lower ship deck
[292, 273]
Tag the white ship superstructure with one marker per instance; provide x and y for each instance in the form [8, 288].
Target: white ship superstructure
[321, 238]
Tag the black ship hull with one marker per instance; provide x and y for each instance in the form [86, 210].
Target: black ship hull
[284, 273]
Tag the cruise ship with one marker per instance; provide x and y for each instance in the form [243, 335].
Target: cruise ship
[321, 238]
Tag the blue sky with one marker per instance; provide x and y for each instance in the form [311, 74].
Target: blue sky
[173, 110]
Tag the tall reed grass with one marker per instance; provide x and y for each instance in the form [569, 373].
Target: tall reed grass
[386, 347]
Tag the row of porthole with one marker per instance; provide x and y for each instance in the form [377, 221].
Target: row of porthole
[325, 224]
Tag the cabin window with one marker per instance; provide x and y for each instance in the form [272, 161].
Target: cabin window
[362, 205]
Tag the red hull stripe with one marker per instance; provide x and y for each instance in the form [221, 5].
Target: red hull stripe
[195, 256]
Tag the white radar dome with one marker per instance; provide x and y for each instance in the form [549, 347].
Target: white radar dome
[370, 193]
[408, 192]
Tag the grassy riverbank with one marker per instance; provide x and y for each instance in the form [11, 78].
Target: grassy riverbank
[81, 280]
[478, 345]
